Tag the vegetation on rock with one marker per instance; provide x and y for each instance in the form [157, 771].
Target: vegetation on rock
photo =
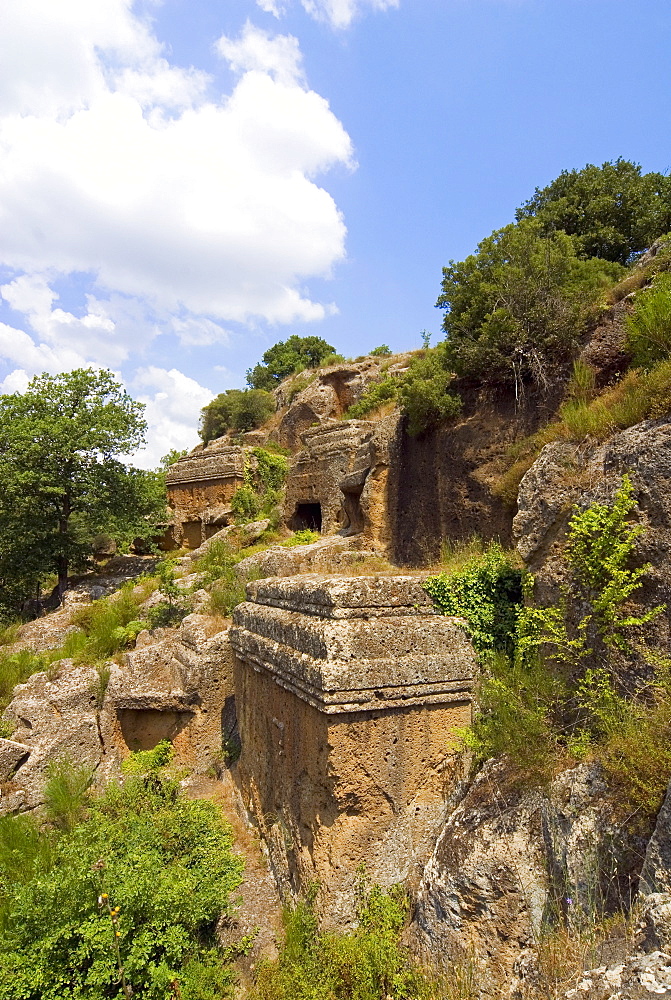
[422, 392]
[236, 409]
[613, 211]
[561, 691]
[367, 964]
[517, 306]
[288, 357]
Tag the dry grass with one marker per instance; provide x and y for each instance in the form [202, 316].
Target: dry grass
[563, 953]
[639, 395]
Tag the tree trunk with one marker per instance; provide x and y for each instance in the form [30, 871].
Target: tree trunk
[63, 560]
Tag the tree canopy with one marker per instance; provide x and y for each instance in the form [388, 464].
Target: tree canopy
[236, 409]
[286, 357]
[613, 211]
[516, 306]
[62, 481]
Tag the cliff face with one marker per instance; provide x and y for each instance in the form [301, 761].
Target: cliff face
[343, 693]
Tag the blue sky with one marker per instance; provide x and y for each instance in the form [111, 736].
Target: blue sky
[184, 183]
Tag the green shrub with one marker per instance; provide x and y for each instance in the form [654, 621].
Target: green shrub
[286, 358]
[245, 504]
[545, 703]
[368, 963]
[146, 871]
[375, 396]
[487, 592]
[380, 352]
[66, 793]
[612, 211]
[517, 307]
[424, 391]
[149, 761]
[302, 537]
[271, 468]
[236, 409]
[649, 326]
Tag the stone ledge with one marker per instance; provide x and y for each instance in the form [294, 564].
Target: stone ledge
[354, 644]
[344, 597]
[225, 463]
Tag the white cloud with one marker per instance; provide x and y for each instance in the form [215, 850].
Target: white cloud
[62, 340]
[198, 331]
[341, 13]
[257, 50]
[116, 163]
[271, 7]
[16, 381]
[173, 405]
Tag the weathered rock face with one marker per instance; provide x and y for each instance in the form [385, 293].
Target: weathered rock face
[440, 482]
[339, 481]
[485, 888]
[507, 859]
[54, 716]
[176, 685]
[566, 475]
[637, 978]
[200, 488]
[348, 693]
[329, 392]
[333, 554]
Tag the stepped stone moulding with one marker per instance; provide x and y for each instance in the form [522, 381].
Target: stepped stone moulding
[348, 693]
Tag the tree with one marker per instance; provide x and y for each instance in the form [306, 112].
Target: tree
[287, 357]
[236, 409]
[516, 307]
[613, 211]
[61, 482]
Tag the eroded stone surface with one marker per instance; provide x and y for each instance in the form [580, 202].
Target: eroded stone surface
[349, 692]
[338, 482]
[177, 684]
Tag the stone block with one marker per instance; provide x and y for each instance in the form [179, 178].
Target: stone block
[348, 692]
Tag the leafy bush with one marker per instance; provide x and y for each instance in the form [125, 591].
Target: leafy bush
[424, 391]
[146, 873]
[246, 504]
[263, 481]
[380, 352]
[236, 409]
[555, 697]
[367, 964]
[149, 761]
[302, 537]
[375, 396]
[612, 211]
[649, 326]
[487, 592]
[517, 307]
[287, 357]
